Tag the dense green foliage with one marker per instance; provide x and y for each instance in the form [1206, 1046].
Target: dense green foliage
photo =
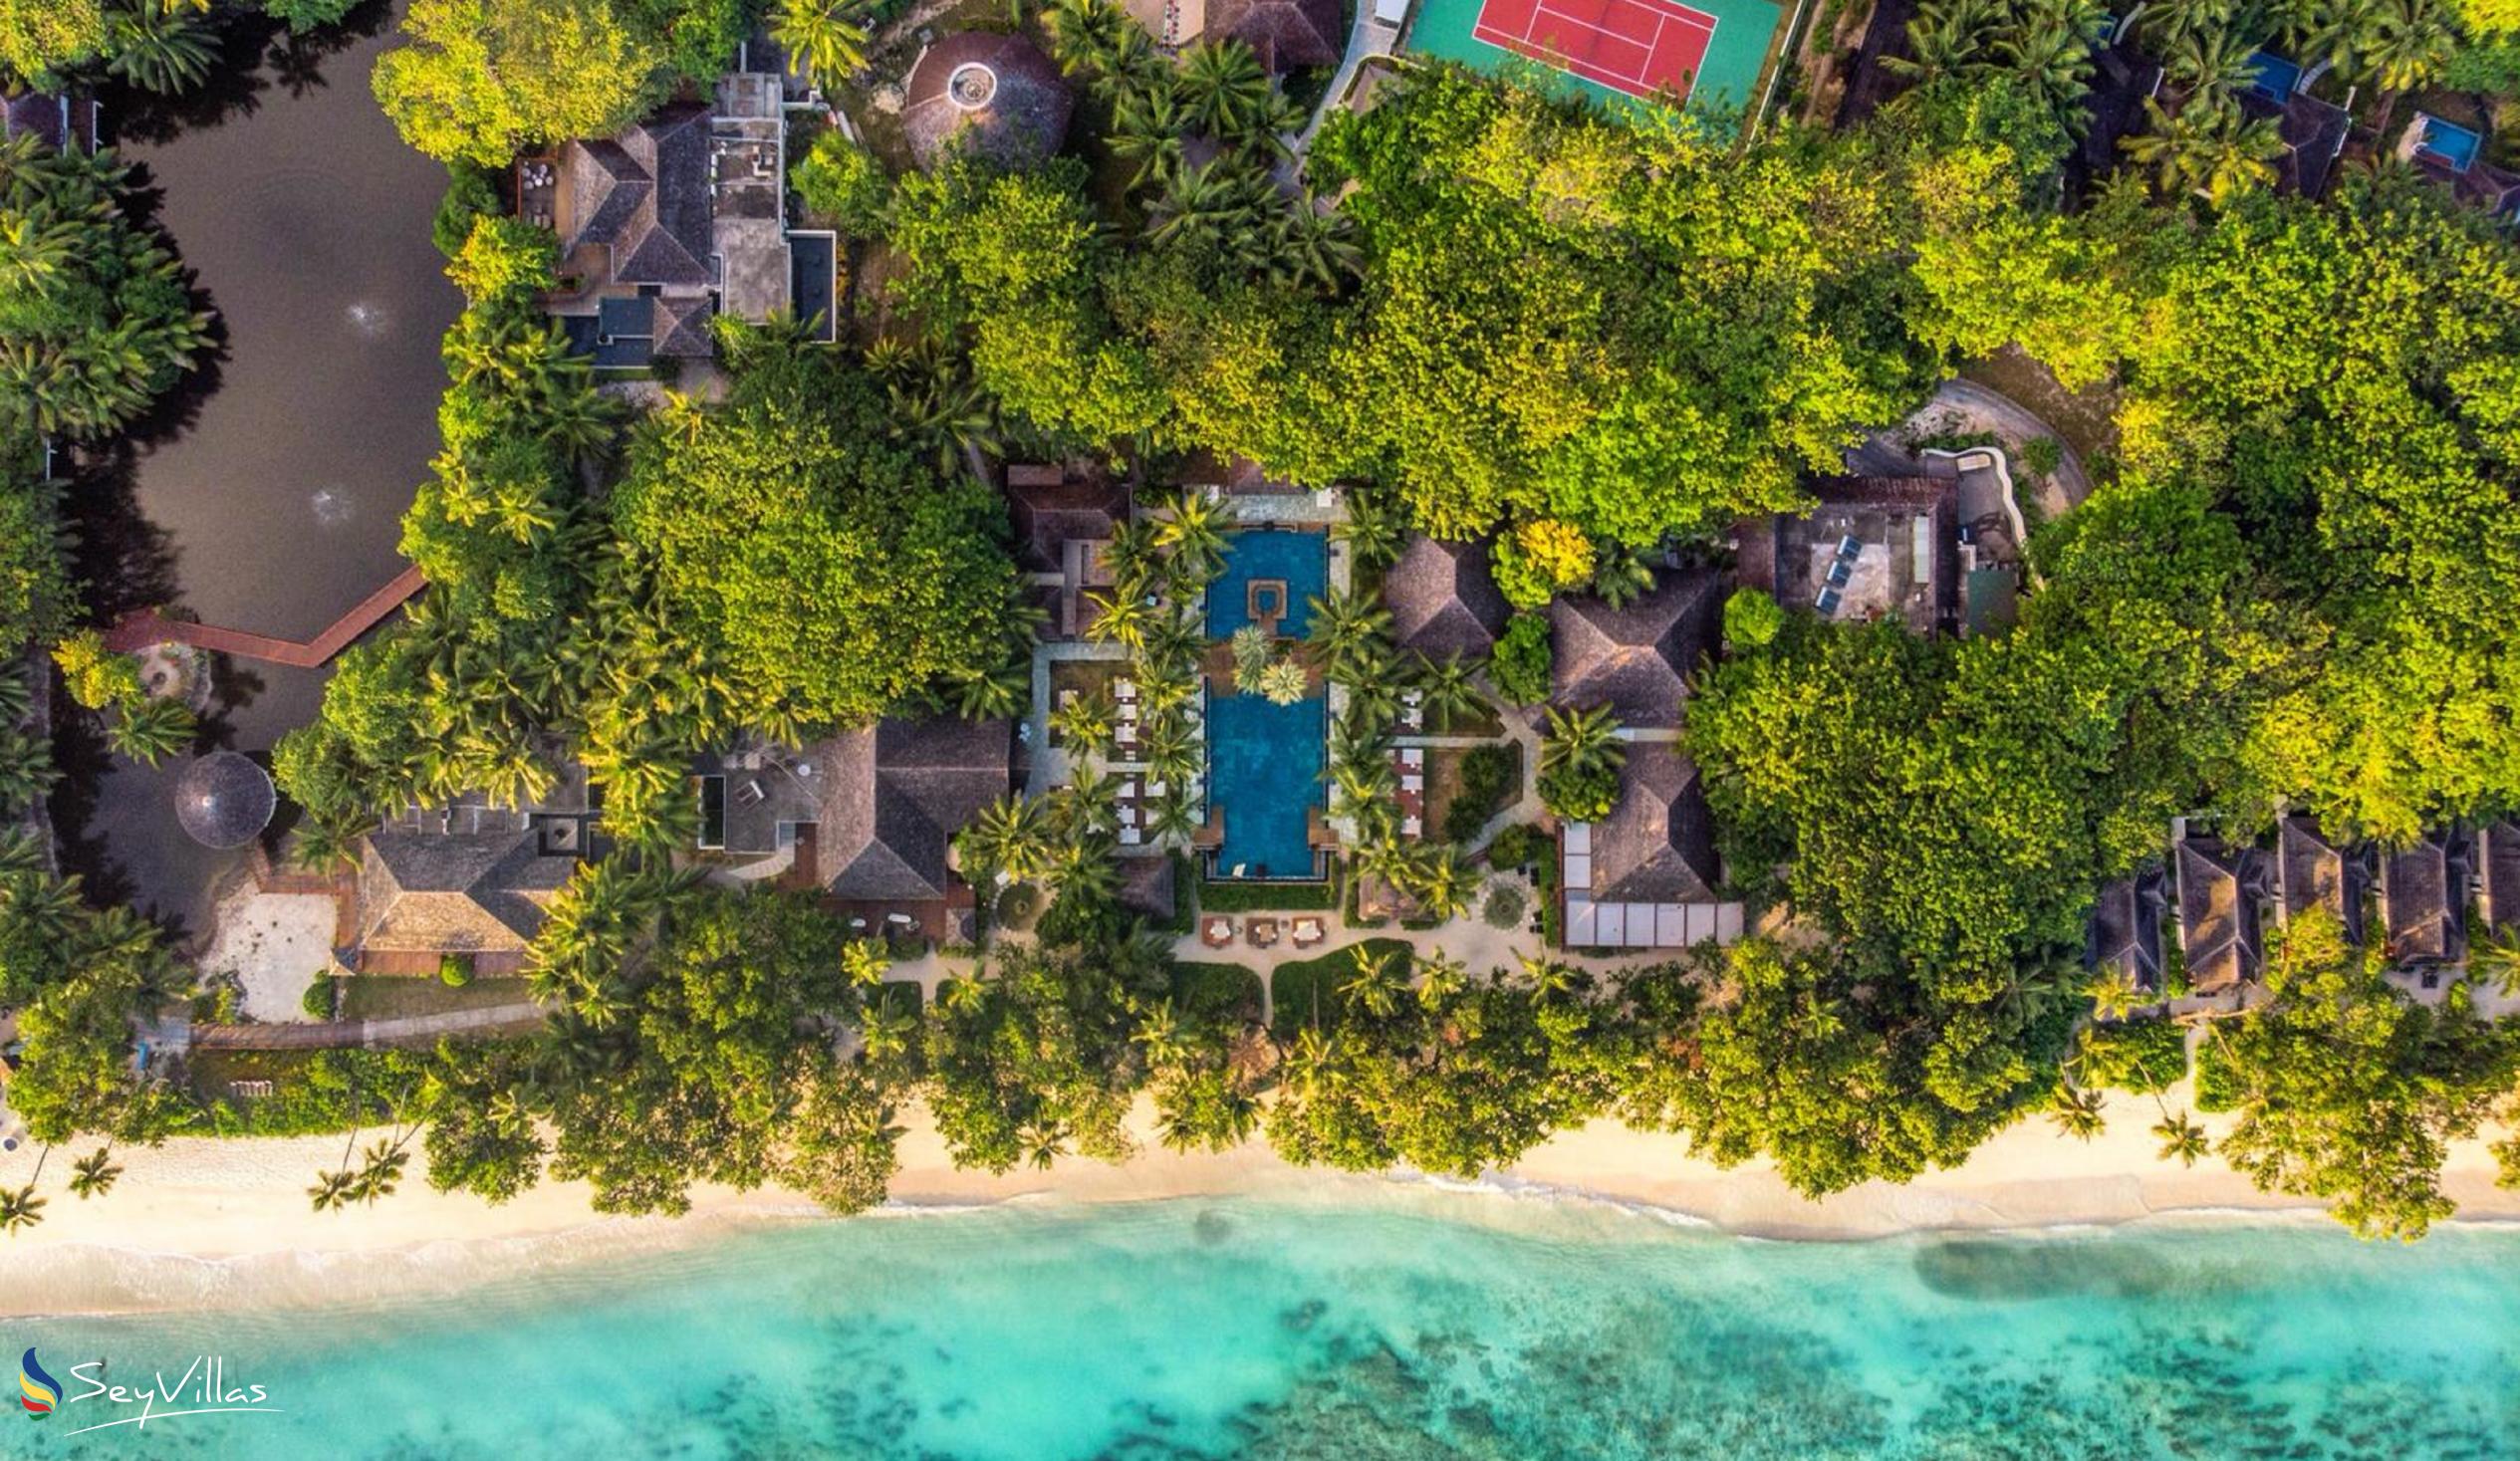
[2348, 1090]
[833, 571]
[96, 316]
[477, 79]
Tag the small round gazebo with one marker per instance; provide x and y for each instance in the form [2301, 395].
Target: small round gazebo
[992, 95]
[224, 800]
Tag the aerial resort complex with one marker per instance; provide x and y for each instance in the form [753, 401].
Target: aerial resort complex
[1270, 623]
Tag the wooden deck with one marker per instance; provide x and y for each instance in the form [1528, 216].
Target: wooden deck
[140, 630]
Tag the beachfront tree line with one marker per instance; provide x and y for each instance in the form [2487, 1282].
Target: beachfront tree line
[1582, 339]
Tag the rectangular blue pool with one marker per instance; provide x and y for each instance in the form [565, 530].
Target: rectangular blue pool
[2272, 76]
[2450, 142]
[1300, 561]
[1264, 770]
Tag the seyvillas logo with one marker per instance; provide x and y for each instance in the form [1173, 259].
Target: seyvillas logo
[37, 1391]
[202, 1388]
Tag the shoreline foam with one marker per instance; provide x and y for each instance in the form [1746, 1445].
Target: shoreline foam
[224, 1224]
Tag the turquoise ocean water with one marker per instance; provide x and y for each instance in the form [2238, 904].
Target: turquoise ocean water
[1217, 1328]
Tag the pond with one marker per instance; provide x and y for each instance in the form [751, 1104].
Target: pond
[267, 493]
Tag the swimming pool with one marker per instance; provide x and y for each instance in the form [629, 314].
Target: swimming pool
[1300, 561]
[1264, 768]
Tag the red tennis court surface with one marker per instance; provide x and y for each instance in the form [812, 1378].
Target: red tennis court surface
[1639, 47]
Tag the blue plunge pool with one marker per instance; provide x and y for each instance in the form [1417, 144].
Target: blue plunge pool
[1264, 769]
[1269, 571]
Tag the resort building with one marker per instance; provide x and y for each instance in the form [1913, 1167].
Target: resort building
[1636, 659]
[1645, 876]
[2451, 155]
[1870, 548]
[668, 224]
[2498, 874]
[2124, 939]
[1444, 599]
[2313, 132]
[1063, 519]
[2313, 872]
[65, 122]
[2424, 901]
[866, 817]
[1284, 34]
[2220, 888]
[425, 896]
[986, 92]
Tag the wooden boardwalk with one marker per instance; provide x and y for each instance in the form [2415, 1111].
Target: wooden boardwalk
[140, 630]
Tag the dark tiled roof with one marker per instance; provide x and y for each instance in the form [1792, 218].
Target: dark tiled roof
[1657, 844]
[893, 797]
[1021, 120]
[1444, 599]
[644, 198]
[2423, 893]
[1636, 659]
[2498, 873]
[1286, 34]
[682, 328]
[2219, 890]
[2313, 872]
[2125, 936]
[1047, 515]
[1147, 888]
[476, 892]
[36, 115]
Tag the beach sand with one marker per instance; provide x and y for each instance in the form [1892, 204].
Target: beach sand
[203, 1223]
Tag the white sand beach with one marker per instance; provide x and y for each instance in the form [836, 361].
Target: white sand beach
[205, 1223]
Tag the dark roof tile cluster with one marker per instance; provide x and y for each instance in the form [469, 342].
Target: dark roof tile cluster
[1657, 844]
[1285, 34]
[1444, 599]
[2219, 886]
[463, 892]
[894, 795]
[643, 196]
[1637, 660]
[2125, 936]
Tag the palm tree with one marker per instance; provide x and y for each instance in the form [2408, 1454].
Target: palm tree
[1440, 882]
[1122, 615]
[1375, 986]
[2212, 66]
[2171, 24]
[33, 248]
[151, 729]
[1372, 528]
[1044, 1143]
[381, 1170]
[1175, 817]
[865, 962]
[1311, 247]
[1192, 533]
[333, 1191]
[1342, 626]
[1159, 1034]
[1440, 976]
[994, 694]
[1084, 724]
[94, 1175]
[2182, 1138]
[1011, 836]
[1948, 38]
[2075, 1111]
[1224, 89]
[1091, 38]
[2497, 959]
[1218, 205]
[2115, 996]
[2210, 150]
[1620, 576]
[1449, 688]
[20, 1209]
[2399, 45]
[2048, 53]
[160, 50]
[885, 1030]
[821, 38]
[1280, 683]
[1147, 126]
[1580, 741]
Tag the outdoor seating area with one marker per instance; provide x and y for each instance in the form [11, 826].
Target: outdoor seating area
[1409, 764]
[1261, 932]
[1217, 933]
[1309, 933]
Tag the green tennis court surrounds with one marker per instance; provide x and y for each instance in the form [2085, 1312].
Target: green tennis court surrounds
[1707, 52]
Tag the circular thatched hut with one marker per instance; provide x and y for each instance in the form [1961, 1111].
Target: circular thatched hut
[995, 96]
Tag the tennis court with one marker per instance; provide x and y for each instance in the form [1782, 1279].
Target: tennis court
[1639, 47]
[1621, 50]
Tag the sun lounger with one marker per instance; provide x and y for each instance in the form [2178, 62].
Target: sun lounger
[1413, 783]
[1127, 815]
[1413, 757]
[1127, 690]
[1129, 837]
[1412, 827]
